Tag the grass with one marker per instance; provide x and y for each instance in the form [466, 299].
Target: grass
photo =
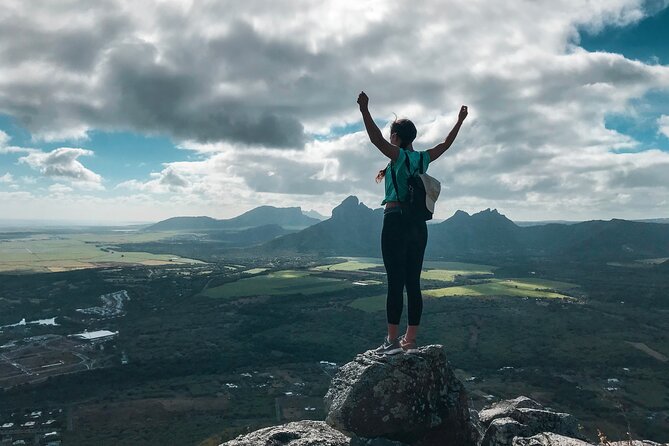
[458, 266]
[349, 265]
[255, 270]
[369, 304]
[511, 287]
[123, 236]
[534, 288]
[278, 283]
[446, 275]
[52, 254]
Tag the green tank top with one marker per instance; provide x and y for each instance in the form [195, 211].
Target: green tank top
[401, 173]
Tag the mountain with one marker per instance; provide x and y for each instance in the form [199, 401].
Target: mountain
[264, 215]
[314, 214]
[248, 237]
[181, 223]
[355, 229]
[486, 233]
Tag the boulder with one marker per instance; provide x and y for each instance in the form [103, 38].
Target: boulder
[502, 431]
[549, 439]
[636, 443]
[412, 398]
[298, 433]
[359, 441]
[523, 417]
[505, 408]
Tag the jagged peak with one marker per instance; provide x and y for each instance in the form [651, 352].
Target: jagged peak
[351, 204]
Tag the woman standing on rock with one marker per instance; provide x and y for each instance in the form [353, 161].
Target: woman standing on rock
[403, 239]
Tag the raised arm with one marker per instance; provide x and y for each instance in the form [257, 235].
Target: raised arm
[439, 149]
[375, 135]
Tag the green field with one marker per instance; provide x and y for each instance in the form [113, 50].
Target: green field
[278, 283]
[370, 304]
[449, 275]
[458, 266]
[255, 270]
[352, 264]
[534, 288]
[45, 253]
[123, 236]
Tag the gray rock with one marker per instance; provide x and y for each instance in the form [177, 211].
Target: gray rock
[298, 433]
[636, 443]
[546, 421]
[412, 398]
[505, 408]
[523, 417]
[359, 441]
[501, 432]
[549, 439]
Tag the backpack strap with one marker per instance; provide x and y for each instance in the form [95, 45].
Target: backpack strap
[392, 172]
[420, 163]
[394, 176]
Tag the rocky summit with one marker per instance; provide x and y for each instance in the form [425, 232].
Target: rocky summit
[416, 400]
[521, 418]
[406, 397]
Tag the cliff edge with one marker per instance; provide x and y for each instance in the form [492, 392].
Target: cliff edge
[416, 400]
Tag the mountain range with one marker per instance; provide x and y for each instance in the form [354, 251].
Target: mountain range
[287, 218]
[355, 229]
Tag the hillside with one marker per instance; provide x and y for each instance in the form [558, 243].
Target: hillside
[292, 217]
[355, 229]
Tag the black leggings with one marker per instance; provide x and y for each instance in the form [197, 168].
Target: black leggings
[403, 242]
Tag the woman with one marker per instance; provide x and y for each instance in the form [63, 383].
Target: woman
[403, 239]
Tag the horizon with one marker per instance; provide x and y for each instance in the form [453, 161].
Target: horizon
[7, 223]
[247, 106]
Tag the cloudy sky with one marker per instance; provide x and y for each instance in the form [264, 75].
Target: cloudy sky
[122, 110]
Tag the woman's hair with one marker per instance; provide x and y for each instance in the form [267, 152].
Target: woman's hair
[406, 132]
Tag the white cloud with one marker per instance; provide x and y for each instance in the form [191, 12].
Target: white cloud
[168, 180]
[63, 163]
[5, 148]
[243, 85]
[58, 188]
[7, 178]
[663, 125]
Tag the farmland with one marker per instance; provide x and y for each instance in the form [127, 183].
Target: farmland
[204, 351]
[277, 284]
[55, 253]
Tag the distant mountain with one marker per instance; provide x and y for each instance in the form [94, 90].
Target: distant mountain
[654, 220]
[486, 233]
[248, 237]
[572, 222]
[544, 222]
[314, 214]
[181, 223]
[260, 216]
[355, 229]
[603, 240]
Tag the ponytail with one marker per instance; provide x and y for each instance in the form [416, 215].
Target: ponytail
[380, 175]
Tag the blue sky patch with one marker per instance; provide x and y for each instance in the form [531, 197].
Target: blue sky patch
[642, 125]
[647, 40]
[119, 156]
[337, 131]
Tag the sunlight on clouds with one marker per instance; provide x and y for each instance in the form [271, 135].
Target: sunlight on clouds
[245, 86]
[62, 163]
[663, 125]
[7, 178]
